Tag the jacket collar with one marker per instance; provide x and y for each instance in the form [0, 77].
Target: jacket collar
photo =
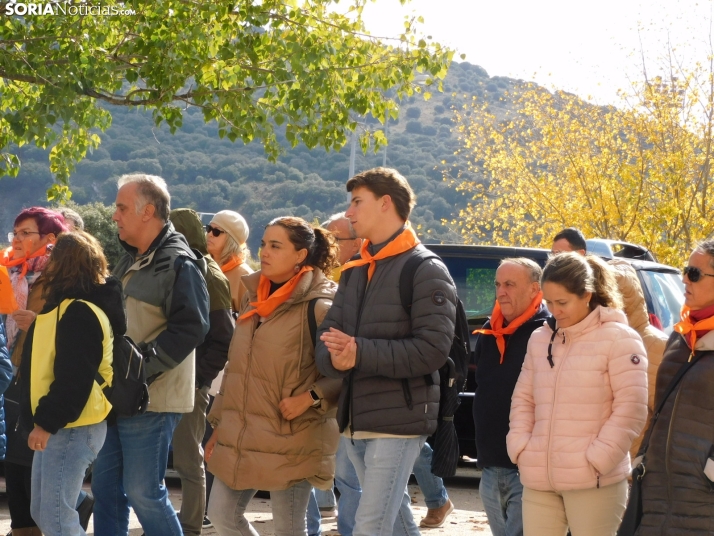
[705, 343]
[312, 284]
[167, 231]
[597, 317]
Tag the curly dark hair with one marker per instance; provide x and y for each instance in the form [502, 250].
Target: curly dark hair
[76, 266]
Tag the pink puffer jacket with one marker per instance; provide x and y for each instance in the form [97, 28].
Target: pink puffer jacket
[572, 424]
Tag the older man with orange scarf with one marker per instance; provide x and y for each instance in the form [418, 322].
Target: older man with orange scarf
[499, 353]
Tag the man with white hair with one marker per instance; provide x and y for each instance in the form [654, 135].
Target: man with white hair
[167, 315]
[345, 235]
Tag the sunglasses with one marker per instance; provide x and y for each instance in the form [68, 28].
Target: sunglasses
[214, 231]
[694, 274]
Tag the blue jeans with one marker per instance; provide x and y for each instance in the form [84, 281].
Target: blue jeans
[318, 499]
[501, 490]
[57, 476]
[313, 520]
[326, 498]
[431, 486]
[226, 509]
[383, 467]
[348, 485]
[130, 470]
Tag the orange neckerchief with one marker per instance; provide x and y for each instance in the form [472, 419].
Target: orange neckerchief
[266, 303]
[689, 329]
[405, 241]
[8, 261]
[497, 329]
[234, 261]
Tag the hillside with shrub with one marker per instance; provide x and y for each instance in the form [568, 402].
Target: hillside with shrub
[210, 174]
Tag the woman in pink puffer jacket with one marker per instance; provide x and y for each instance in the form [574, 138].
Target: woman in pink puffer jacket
[580, 401]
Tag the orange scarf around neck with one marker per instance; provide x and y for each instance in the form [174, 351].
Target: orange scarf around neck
[234, 261]
[267, 303]
[689, 329]
[497, 329]
[405, 241]
[8, 259]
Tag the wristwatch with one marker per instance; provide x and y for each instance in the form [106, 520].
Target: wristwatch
[315, 398]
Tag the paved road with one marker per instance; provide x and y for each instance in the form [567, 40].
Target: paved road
[467, 519]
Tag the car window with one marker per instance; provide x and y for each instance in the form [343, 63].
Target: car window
[474, 279]
[666, 296]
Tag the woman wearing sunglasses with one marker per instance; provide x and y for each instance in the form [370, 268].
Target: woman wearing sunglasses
[226, 238]
[580, 401]
[34, 233]
[678, 484]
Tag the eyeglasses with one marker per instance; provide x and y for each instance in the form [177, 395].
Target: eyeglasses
[341, 239]
[694, 274]
[216, 232]
[21, 235]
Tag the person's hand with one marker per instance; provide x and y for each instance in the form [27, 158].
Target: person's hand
[38, 438]
[23, 318]
[335, 340]
[211, 445]
[294, 406]
[347, 358]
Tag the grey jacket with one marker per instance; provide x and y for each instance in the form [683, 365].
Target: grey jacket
[394, 386]
[167, 312]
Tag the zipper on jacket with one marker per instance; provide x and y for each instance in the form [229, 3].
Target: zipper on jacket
[407, 393]
[351, 398]
[241, 433]
[550, 428]
[17, 379]
[668, 444]
[550, 349]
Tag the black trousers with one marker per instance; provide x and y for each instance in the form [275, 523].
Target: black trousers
[18, 479]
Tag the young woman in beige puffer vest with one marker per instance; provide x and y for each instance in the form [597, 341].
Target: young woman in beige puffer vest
[580, 402]
[274, 417]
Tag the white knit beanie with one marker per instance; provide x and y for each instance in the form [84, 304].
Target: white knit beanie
[232, 223]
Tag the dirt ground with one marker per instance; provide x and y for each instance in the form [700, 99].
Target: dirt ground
[468, 517]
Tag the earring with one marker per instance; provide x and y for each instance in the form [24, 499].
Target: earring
[297, 268]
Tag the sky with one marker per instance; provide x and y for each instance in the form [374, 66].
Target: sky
[591, 48]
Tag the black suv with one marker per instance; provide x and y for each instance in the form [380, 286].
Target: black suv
[473, 269]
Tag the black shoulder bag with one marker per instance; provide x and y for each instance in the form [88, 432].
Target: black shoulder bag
[633, 513]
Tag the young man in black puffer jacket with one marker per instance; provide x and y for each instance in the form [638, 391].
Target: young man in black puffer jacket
[388, 359]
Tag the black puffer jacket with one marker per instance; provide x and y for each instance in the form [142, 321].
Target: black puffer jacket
[394, 386]
[678, 499]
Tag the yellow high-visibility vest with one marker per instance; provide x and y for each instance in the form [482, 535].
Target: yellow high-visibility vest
[43, 359]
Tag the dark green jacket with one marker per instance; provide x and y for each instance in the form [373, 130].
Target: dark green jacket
[212, 354]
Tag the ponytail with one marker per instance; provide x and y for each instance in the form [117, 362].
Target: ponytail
[579, 274]
[606, 292]
[325, 252]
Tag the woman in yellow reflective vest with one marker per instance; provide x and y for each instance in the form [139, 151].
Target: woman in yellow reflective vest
[62, 406]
